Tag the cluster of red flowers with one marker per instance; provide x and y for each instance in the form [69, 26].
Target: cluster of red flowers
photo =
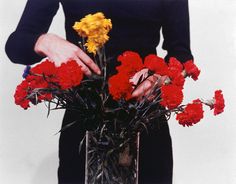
[171, 93]
[45, 77]
[131, 62]
[193, 113]
[174, 69]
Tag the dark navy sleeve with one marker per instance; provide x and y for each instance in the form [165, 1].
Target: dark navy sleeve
[175, 30]
[35, 21]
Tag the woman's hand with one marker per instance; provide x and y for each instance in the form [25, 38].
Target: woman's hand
[60, 50]
[145, 88]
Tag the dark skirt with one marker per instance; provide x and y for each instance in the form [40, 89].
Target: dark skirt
[156, 161]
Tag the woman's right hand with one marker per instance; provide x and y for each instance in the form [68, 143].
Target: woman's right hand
[60, 50]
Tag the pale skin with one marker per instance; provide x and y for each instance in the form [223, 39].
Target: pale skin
[60, 50]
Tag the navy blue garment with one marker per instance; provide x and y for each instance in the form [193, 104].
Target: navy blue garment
[136, 27]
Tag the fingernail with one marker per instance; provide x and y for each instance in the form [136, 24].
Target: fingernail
[99, 72]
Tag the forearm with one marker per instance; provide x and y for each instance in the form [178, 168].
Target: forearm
[176, 30]
[34, 22]
[20, 48]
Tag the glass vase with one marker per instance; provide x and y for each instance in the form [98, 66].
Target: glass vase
[111, 160]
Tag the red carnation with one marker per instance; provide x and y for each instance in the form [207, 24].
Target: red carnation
[47, 68]
[175, 69]
[120, 87]
[31, 87]
[37, 81]
[69, 74]
[44, 73]
[21, 95]
[191, 69]
[171, 96]
[156, 64]
[175, 65]
[46, 76]
[131, 62]
[178, 80]
[192, 114]
[219, 102]
[45, 96]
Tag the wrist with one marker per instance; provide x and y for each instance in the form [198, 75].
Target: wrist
[42, 45]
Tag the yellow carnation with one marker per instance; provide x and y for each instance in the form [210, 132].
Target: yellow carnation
[95, 27]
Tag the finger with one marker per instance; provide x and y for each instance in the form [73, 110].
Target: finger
[154, 78]
[57, 64]
[59, 58]
[149, 96]
[148, 92]
[142, 88]
[88, 61]
[146, 95]
[55, 61]
[84, 68]
[136, 77]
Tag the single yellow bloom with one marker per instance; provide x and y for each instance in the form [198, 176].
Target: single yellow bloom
[95, 27]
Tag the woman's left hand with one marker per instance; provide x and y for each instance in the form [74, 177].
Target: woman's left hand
[146, 86]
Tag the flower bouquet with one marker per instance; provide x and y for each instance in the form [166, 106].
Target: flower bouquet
[114, 119]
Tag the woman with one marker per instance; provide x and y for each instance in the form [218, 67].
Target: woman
[136, 27]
